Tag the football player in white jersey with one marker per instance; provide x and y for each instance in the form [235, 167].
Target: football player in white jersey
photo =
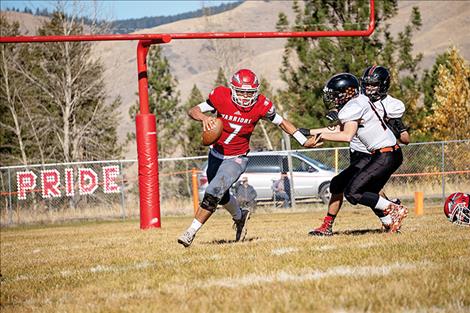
[360, 118]
[375, 83]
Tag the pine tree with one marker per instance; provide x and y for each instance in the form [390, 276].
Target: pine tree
[13, 130]
[405, 84]
[190, 135]
[309, 62]
[266, 135]
[23, 131]
[221, 80]
[451, 106]
[431, 79]
[192, 131]
[163, 102]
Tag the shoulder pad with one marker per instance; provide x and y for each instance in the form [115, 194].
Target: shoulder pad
[394, 107]
[353, 110]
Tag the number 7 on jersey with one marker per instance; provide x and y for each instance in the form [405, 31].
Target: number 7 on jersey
[236, 128]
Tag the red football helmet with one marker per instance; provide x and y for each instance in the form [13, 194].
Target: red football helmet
[245, 88]
[457, 208]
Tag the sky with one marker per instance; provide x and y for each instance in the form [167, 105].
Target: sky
[120, 9]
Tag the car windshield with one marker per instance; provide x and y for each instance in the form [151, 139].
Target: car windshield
[317, 163]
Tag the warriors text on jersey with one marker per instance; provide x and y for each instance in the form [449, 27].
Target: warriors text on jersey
[238, 123]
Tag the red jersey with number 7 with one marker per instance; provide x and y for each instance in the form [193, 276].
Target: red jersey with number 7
[238, 122]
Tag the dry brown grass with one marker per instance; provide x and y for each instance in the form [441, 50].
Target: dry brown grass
[174, 207]
[31, 216]
[429, 188]
[115, 267]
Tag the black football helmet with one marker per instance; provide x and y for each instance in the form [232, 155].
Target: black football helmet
[375, 82]
[339, 90]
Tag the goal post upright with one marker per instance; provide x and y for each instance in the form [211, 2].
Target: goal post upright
[147, 144]
[146, 134]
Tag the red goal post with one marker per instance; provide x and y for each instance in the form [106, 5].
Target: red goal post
[146, 135]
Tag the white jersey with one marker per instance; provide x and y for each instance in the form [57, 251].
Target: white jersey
[372, 131]
[394, 108]
[357, 145]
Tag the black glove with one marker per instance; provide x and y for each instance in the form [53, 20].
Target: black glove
[304, 131]
[396, 126]
[332, 116]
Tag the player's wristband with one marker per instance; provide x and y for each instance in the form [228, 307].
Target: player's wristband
[332, 116]
[299, 137]
[304, 131]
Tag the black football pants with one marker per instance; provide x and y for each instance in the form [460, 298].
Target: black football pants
[365, 185]
[358, 160]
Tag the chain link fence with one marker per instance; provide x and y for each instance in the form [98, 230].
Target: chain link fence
[109, 189]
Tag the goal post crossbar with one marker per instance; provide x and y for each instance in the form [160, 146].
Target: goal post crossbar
[165, 38]
[146, 133]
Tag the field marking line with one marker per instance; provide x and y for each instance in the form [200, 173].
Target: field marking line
[284, 250]
[308, 275]
[94, 270]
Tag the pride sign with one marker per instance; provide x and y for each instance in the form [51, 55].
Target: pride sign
[52, 185]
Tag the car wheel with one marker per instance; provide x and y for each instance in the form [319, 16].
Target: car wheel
[325, 193]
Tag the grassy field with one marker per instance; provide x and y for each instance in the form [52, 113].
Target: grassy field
[116, 267]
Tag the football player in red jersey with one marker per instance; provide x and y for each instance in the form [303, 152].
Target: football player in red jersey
[240, 107]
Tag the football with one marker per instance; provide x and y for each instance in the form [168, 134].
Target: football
[212, 135]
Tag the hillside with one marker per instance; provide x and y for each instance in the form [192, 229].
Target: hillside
[28, 23]
[197, 61]
[443, 25]
[134, 24]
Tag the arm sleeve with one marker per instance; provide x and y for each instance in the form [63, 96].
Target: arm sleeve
[272, 116]
[396, 126]
[332, 116]
[206, 106]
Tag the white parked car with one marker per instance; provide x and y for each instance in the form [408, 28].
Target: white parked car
[311, 177]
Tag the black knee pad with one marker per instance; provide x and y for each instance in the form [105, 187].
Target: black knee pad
[225, 199]
[209, 202]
